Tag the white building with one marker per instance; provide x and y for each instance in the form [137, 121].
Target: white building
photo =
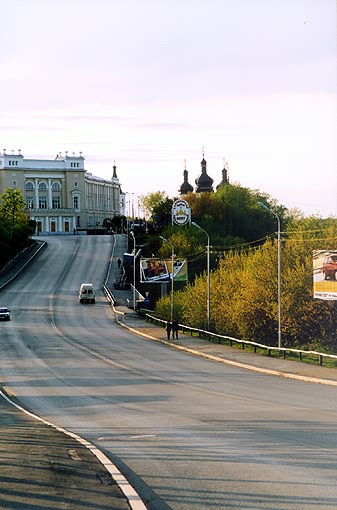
[59, 193]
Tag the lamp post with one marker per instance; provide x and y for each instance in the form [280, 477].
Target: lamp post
[278, 271]
[208, 278]
[132, 234]
[172, 277]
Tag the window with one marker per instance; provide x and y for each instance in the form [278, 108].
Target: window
[56, 202]
[42, 185]
[29, 202]
[56, 186]
[29, 186]
[76, 184]
[42, 202]
[14, 184]
[76, 202]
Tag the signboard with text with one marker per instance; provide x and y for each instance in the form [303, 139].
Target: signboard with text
[181, 212]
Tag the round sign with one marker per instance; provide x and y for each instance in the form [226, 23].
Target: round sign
[181, 212]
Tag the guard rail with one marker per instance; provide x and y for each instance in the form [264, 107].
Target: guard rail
[224, 339]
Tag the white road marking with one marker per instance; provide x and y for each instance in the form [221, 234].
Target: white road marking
[132, 496]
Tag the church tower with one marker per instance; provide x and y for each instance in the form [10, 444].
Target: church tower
[225, 178]
[186, 187]
[204, 182]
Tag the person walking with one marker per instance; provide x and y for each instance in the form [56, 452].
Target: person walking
[175, 327]
[168, 329]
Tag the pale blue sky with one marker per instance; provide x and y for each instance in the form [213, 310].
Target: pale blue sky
[147, 84]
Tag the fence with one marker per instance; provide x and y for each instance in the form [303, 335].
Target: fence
[223, 339]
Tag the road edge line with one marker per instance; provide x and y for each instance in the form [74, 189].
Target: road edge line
[129, 492]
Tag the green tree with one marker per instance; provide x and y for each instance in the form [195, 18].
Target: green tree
[12, 205]
[150, 201]
[244, 296]
[15, 226]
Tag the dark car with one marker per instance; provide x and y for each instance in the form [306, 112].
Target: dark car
[5, 313]
[330, 267]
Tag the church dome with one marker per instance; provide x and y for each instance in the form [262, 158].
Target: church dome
[186, 187]
[204, 182]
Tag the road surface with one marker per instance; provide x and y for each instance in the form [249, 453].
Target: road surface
[188, 433]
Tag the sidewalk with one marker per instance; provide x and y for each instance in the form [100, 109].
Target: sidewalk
[232, 355]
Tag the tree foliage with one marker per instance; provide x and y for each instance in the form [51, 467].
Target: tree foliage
[151, 201]
[244, 290]
[15, 226]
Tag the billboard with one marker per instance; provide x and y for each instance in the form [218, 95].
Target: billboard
[156, 270]
[325, 274]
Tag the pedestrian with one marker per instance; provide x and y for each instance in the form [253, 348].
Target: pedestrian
[119, 263]
[175, 327]
[168, 329]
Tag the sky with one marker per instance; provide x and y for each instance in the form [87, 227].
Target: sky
[152, 86]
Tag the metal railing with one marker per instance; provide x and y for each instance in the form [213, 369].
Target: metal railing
[255, 346]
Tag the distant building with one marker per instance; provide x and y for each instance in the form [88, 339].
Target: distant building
[204, 183]
[60, 195]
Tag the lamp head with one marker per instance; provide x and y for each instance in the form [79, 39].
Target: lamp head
[264, 206]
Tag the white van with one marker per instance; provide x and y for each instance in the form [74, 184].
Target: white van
[87, 293]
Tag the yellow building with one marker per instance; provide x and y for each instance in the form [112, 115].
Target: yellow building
[60, 195]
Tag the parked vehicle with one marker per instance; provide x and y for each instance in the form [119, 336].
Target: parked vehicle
[5, 313]
[87, 293]
[330, 266]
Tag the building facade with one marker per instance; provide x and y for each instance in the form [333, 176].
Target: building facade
[60, 195]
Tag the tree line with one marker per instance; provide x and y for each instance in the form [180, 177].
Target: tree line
[244, 270]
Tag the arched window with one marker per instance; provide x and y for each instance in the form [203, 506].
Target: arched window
[29, 186]
[56, 186]
[42, 185]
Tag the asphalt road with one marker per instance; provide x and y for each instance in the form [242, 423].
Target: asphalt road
[188, 433]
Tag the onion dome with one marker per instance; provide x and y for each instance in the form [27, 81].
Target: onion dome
[204, 182]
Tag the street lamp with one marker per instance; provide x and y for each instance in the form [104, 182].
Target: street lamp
[208, 278]
[132, 234]
[172, 277]
[278, 270]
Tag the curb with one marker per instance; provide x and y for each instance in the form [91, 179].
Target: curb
[266, 371]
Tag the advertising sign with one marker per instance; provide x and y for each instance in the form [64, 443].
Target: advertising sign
[325, 274]
[181, 212]
[157, 270]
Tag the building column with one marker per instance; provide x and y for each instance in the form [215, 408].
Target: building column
[36, 205]
[50, 201]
